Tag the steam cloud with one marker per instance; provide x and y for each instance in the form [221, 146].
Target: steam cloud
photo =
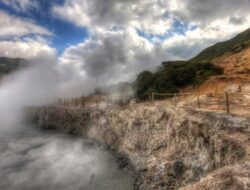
[33, 160]
[40, 83]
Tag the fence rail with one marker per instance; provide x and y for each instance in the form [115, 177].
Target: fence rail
[97, 101]
[227, 102]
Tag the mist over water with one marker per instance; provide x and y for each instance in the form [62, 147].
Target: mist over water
[39, 160]
[31, 159]
[41, 82]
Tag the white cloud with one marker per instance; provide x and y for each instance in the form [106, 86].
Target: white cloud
[26, 48]
[114, 57]
[16, 40]
[152, 16]
[15, 26]
[21, 5]
[208, 11]
[145, 15]
[156, 17]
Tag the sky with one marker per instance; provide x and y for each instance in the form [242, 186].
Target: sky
[109, 41]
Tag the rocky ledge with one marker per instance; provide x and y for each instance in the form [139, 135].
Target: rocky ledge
[169, 148]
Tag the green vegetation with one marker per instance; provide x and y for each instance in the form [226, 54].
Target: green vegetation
[8, 65]
[174, 75]
[236, 44]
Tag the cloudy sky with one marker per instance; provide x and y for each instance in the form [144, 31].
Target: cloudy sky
[113, 40]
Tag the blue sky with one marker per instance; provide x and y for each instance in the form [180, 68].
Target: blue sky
[65, 33]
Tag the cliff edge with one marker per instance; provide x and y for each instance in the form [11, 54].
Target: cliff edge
[169, 148]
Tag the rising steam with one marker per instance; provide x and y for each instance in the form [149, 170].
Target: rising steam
[34, 160]
[40, 83]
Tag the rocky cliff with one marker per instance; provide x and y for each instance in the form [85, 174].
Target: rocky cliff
[169, 148]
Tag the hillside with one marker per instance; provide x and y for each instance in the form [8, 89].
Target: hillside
[234, 59]
[237, 44]
[217, 68]
[8, 65]
[172, 77]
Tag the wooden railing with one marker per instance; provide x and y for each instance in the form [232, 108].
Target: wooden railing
[229, 102]
[95, 101]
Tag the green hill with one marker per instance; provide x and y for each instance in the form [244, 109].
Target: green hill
[241, 41]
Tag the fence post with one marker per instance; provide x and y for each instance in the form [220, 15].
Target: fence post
[107, 102]
[198, 100]
[227, 102]
[152, 97]
[175, 100]
[99, 101]
[83, 102]
[76, 102]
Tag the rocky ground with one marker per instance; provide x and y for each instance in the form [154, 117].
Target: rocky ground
[169, 148]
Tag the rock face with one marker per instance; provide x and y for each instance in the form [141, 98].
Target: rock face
[229, 178]
[170, 148]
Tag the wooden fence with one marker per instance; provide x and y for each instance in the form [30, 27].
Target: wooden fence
[229, 102]
[95, 101]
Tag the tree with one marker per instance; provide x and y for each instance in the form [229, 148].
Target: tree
[143, 84]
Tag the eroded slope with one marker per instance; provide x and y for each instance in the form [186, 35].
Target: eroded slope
[169, 148]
